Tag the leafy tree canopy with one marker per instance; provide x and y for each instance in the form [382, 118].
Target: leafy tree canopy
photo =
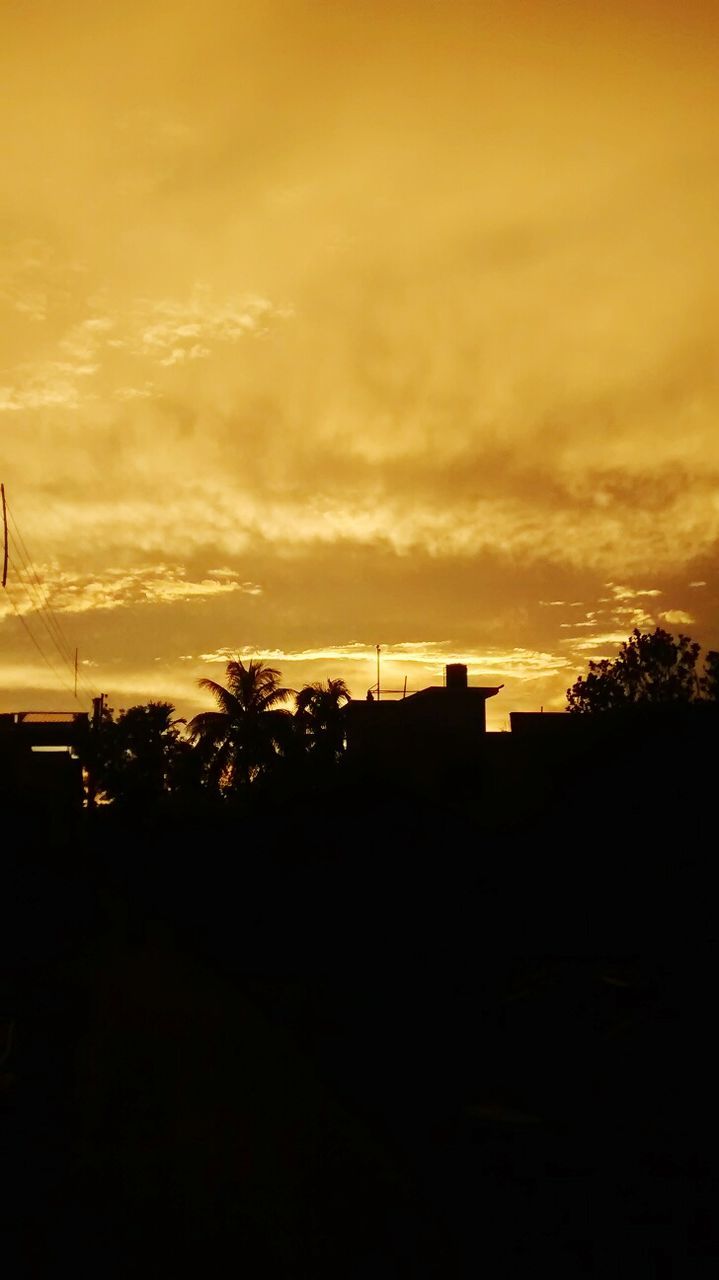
[140, 755]
[651, 668]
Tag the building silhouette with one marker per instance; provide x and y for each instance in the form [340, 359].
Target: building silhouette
[421, 735]
[40, 760]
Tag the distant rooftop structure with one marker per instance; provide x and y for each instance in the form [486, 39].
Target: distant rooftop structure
[20, 729]
[420, 731]
[40, 766]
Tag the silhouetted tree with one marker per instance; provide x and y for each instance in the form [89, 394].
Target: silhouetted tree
[710, 680]
[651, 668]
[244, 738]
[141, 754]
[320, 720]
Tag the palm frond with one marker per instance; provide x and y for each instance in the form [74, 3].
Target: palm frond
[225, 699]
[305, 698]
[250, 730]
[272, 697]
[209, 726]
[337, 688]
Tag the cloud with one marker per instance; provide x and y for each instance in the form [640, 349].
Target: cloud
[521, 664]
[677, 616]
[134, 393]
[602, 645]
[213, 511]
[164, 332]
[20, 676]
[299, 317]
[631, 593]
[46, 391]
[119, 588]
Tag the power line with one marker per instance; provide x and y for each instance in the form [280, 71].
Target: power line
[42, 598]
[39, 648]
[35, 592]
[40, 604]
[37, 608]
[48, 662]
[4, 524]
[27, 560]
[20, 580]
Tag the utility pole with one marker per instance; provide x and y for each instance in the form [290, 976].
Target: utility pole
[4, 525]
[378, 648]
[75, 672]
[98, 706]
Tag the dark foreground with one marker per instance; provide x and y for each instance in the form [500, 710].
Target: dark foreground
[361, 1041]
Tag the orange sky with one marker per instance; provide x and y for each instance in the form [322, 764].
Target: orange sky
[330, 324]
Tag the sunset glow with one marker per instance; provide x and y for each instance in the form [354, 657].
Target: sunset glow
[328, 325]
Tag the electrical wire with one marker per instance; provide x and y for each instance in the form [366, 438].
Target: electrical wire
[38, 646]
[40, 604]
[37, 610]
[34, 609]
[24, 554]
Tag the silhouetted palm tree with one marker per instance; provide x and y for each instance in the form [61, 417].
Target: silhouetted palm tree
[319, 715]
[251, 729]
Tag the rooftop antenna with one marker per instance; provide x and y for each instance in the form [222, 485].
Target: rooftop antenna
[4, 524]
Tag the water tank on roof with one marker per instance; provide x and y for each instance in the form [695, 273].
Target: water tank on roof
[456, 673]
